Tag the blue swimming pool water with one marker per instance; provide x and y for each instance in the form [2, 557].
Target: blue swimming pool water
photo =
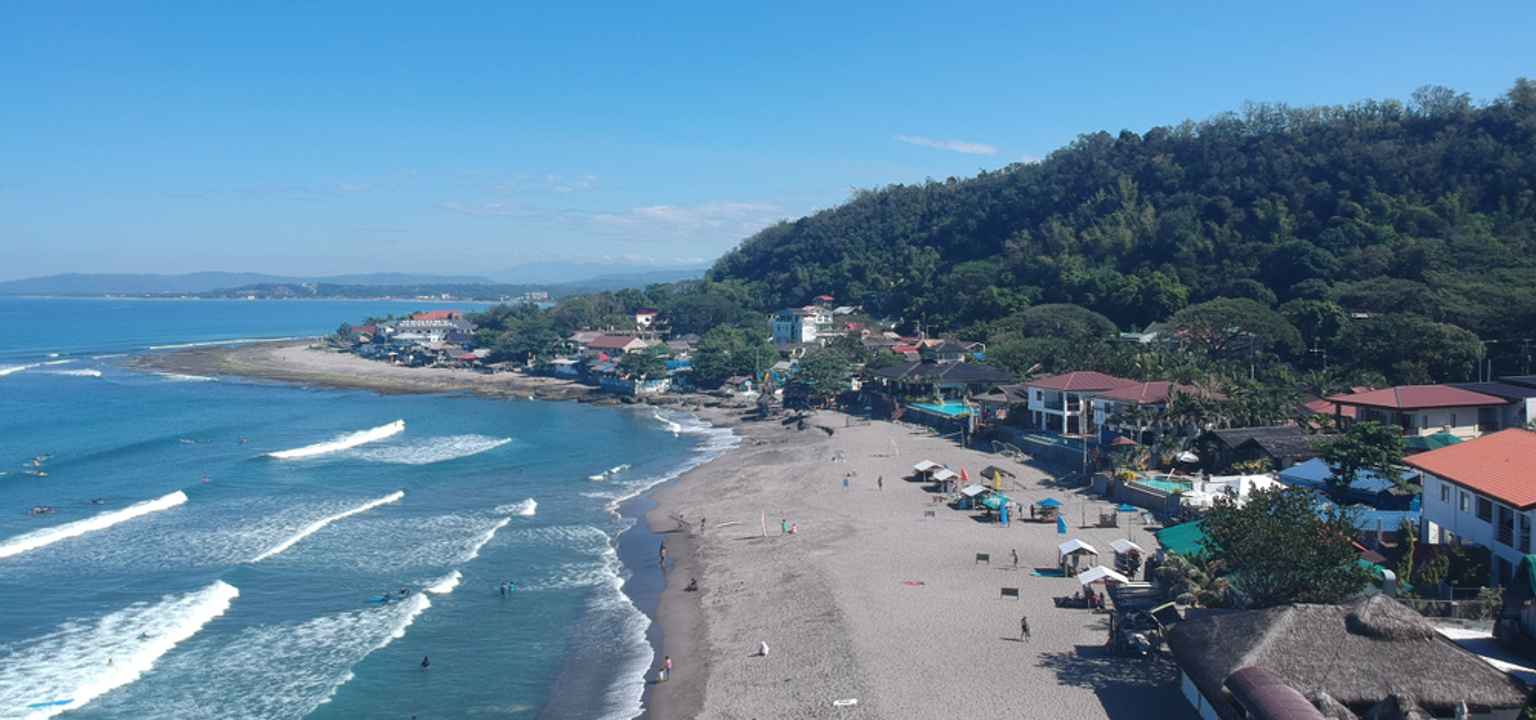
[948, 409]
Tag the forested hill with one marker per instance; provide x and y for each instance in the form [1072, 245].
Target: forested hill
[1425, 207]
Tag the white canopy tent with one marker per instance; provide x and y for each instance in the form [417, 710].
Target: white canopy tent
[943, 474]
[973, 490]
[926, 466]
[1123, 546]
[1098, 573]
[1074, 546]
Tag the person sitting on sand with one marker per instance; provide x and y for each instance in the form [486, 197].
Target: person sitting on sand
[693, 585]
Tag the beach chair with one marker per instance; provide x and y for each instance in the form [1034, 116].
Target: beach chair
[983, 558]
[1008, 592]
[929, 514]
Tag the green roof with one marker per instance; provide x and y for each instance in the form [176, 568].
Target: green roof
[1431, 442]
[1187, 539]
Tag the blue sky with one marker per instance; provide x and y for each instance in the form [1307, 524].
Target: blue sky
[353, 137]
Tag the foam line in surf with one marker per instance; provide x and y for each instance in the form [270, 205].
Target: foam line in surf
[13, 369]
[184, 377]
[524, 508]
[48, 536]
[474, 550]
[77, 372]
[81, 661]
[315, 526]
[342, 442]
[431, 450]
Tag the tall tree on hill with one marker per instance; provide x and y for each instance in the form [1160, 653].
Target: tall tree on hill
[1367, 446]
[1235, 328]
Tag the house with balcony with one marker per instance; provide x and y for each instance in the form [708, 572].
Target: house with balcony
[798, 325]
[1063, 404]
[1482, 492]
[1420, 410]
[1153, 397]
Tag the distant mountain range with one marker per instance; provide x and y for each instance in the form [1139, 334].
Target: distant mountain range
[568, 277]
[200, 282]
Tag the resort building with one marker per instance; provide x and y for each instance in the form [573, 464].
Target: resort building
[1151, 397]
[435, 327]
[795, 325]
[1063, 404]
[615, 344]
[645, 318]
[1281, 446]
[1373, 656]
[1482, 492]
[1427, 409]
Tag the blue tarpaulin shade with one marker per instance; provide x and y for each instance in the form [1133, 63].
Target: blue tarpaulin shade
[995, 501]
[1049, 503]
[1061, 525]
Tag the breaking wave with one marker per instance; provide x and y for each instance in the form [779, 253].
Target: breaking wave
[49, 536]
[82, 372]
[211, 343]
[342, 442]
[525, 508]
[15, 369]
[474, 549]
[315, 526]
[445, 584]
[81, 661]
[184, 377]
[431, 450]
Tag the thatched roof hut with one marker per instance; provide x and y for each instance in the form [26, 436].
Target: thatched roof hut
[1360, 654]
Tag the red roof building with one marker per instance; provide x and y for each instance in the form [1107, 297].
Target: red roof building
[1414, 397]
[1079, 381]
[1501, 466]
[1156, 392]
[1425, 409]
[621, 343]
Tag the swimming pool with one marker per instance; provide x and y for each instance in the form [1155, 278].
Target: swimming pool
[1162, 483]
[948, 408]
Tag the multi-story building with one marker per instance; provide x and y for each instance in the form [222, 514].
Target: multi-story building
[1482, 492]
[1063, 404]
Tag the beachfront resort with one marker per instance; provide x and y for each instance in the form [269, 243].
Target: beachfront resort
[1078, 537]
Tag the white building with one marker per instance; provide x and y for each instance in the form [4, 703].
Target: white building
[1482, 492]
[795, 325]
[1064, 403]
[1428, 409]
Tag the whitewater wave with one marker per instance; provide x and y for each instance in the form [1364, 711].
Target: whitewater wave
[431, 450]
[65, 361]
[342, 442]
[76, 373]
[16, 369]
[48, 536]
[473, 551]
[672, 427]
[235, 341]
[267, 672]
[83, 660]
[315, 526]
[445, 584]
[523, 508]
[184, 377]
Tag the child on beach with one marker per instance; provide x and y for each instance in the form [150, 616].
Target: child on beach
[1024, 629]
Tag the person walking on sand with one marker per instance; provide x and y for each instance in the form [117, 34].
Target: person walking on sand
[666, 666]
[880, 483]
[701, 524]
[845, 482]
[1015, 552]
[1024, 629]
[783, 526]
[662, 555]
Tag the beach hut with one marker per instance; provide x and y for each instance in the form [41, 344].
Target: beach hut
[1099, 573]
[970, 495]
[924, 470]
[1047, 509]
[996, 475]
[1128, 556]
[947, 477]
[1071, 553]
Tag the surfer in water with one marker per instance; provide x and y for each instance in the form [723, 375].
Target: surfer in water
[425, 663]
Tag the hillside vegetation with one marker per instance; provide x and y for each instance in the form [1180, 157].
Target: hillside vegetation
[1420, 213]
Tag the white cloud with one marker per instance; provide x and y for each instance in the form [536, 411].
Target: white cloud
[959, 146]
[732, 216]
[495, 208]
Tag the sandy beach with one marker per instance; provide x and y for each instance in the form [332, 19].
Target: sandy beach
[871, 599]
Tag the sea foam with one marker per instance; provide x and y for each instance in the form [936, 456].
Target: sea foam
[78, 372]
[213, 343]
[473, 551]
[15, 369]
[315, 526]
[523, 508]
[342, 442]
[81, 661]
[445, 584]
[431, 450]
[48, 536]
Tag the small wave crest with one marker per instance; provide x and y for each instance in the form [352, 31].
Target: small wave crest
[431, 450]
[77, 372]
[13, 369]
[48, 536]
[445, 584]
[213, 343]
[83, 660]
[184, 377]
[523, 508]
[342, 442]
[473, 551]
[315, 526]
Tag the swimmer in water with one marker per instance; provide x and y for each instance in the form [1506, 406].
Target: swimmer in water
[425, 663]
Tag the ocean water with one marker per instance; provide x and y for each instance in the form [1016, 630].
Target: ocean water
[219, 547]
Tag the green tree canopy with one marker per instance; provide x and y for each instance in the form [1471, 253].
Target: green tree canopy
[824, 373]
[1363, 446]
[647, 364]
[1410, 349]
[1234, 328]
[726, 351]
[1278, 550]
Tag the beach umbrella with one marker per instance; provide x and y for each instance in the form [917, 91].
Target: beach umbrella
[964, 477]
[1049, 503]
[1061, 525]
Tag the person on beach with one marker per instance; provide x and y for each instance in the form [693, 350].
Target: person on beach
[701, 524]
[1015, 552]
[1024, 629]
[662, 553]
[783, 526]
[666, 667]
[845, 482]
[880, 483]
[425, 663]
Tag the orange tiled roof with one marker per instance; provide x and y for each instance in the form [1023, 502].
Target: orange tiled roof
[1501, 465]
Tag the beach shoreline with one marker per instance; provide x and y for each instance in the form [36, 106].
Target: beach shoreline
[867, 590]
